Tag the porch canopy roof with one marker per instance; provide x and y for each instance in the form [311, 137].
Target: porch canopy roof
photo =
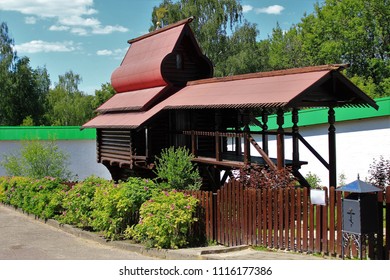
[319, 86]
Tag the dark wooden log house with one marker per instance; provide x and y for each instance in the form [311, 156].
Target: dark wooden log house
[166, 96]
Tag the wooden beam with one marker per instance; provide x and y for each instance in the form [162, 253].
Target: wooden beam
[332, 148]
[280, 139]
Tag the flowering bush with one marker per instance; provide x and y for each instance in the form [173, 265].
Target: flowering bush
[165, 220]
[116, 206]
[77, 202]
[34, 196]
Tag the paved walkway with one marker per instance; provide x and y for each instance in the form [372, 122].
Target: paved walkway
[25, 238]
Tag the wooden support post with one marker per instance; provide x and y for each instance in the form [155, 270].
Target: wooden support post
[280, 140]
[264, 119]
[247, 148]
[332, 148]
[218, 123]
[218, 153]
[147, 143]
[194, 144]
[295, 140]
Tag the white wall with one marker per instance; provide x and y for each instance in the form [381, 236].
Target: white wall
[358, 142]
[82, 157]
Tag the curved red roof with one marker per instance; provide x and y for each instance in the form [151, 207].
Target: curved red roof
[141, 67]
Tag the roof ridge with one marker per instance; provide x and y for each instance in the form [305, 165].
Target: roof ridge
[283, 72]
[165, 28]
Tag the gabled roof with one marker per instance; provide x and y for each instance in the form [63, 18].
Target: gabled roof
[288, 89]
[315, 86]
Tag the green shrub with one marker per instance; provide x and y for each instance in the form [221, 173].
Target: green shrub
[38, 160]
[176, 169]
[165, 220]
[32, 195]
[77, 202]
[116, 206]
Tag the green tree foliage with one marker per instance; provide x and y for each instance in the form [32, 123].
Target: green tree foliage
[23, 90]
[67, 105]
[38, 160]
[350, 31]
[175, 168]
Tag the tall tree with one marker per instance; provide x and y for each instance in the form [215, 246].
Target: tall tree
[351, 31]
[23, 90]
[67, 105]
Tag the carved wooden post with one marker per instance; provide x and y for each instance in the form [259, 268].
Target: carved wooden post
[218, 150]
[247, 148]
[332, 148]
[280, 139]
[194, 144]
[264, 119]
[295, 131]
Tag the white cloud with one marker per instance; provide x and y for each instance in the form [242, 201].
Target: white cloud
[73, 15]
[38, 46]
[116, 52]
[104, 52]
[108, 29]
[30, 20]
[246, 8]
[271, 10]
[59, 28]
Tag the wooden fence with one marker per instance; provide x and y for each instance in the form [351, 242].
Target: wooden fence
[285, 219]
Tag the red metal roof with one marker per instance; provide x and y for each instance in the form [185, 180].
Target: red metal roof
[286, 88]
[141, 67]
[131, 100]
[269, 91]
[127, 120]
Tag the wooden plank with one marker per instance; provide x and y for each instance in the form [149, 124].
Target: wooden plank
[242, 217]
[332, 221]
[269, 217]
[339, 222]
[264, 216]
[311, 228]
[277, 210]
[324, 235]
[299, 220]
[254, 219]
[235, 230]
[305, 210]
[245, 218]
[259, 215]
[287, 209]
[219, 216]
[292, 219]
[318, 218]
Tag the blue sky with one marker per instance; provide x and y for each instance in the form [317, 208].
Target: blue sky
[90, 37]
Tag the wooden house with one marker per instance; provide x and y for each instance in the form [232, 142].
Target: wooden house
[166, 96]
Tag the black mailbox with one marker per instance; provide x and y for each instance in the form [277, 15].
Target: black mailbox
[360, 214]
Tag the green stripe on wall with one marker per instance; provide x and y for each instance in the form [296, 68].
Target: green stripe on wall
[46, 133]
[320, 116]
